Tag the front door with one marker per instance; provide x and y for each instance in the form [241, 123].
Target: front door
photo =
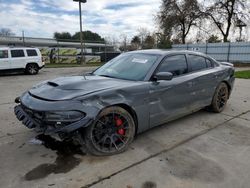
[171, 99]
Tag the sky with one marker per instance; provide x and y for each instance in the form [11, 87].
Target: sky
[109, 18]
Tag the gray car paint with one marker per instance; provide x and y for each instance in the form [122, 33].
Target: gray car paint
[152, 102]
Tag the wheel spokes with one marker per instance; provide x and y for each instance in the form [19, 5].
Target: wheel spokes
[109, 134]
[222, 97]
[119, 136]
[113, 142]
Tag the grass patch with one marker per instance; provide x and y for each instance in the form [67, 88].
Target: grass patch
[68, 65]
[243, 74]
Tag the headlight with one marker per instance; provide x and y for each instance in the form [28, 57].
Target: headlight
[64, 116]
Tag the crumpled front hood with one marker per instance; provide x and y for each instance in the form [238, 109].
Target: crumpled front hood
[66, 88]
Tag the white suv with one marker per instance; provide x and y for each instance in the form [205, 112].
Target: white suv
[27, 59]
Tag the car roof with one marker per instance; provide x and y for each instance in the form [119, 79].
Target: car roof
[166, 52]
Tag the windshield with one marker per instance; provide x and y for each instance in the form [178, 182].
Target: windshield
[128, 66]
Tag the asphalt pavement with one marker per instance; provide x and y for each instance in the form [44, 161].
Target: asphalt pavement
[200, 150]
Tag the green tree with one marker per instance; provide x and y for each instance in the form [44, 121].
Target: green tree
[149, 42]
[164, 43]
[213, 39]
[63, 35]
[178, 16]
[136, 42]
[88, 36]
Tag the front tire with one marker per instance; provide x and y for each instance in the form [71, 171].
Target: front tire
[220, 98]
[111, 133]
[32, 69]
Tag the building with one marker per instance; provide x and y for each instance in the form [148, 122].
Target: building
[52, 43]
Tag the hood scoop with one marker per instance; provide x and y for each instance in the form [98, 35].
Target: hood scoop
[53, 84]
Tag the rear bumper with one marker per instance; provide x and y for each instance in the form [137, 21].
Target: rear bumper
[231, 82]
[41, 67]
[52, 130]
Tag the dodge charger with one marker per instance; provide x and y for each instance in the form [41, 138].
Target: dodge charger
[102, 111]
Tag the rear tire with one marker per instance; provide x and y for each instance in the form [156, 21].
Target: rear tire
[32, 69]
[220, 98]
[111, 133]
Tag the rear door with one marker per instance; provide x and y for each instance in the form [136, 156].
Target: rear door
[204, 83]
[171, 99]
[32, 56]
[4, 59]
[18, 59]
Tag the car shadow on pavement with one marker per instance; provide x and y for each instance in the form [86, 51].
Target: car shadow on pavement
[11, 73]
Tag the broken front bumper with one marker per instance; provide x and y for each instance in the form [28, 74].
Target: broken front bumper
[29, 119]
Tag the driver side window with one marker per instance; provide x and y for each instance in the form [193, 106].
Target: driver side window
[176, 64]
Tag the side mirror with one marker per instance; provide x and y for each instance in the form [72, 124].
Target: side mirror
[164, 76]
[88, 73]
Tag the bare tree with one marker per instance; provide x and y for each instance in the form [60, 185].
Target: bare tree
[124, 40]
[178, 16]
[225, 14]
[142, 34]
[6, 32]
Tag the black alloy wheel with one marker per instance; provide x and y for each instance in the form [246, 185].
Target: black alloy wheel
[112, 132]
[220, 98]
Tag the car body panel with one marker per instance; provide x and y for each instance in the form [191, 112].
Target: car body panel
[170, 98]
[66, 88]
[131, 94]
[151, 102]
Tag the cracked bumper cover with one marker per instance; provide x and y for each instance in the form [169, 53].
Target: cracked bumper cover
[48, 130]
[33, 105]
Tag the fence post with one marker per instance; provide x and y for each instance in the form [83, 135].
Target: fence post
[105, 52]
[58, 52]
[228, 53]
[206, 47]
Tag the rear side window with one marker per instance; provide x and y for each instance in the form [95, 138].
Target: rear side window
[3, 54]
[31, 53]
[175, 64]
[17, 53]
[209, 63]
[197, 62]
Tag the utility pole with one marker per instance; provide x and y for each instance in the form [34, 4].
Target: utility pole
[23, 38]
[81, 34]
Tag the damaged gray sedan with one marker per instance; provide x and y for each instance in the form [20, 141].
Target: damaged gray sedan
[103, 111]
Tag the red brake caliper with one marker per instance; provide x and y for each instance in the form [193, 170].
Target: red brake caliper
[118, 124]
